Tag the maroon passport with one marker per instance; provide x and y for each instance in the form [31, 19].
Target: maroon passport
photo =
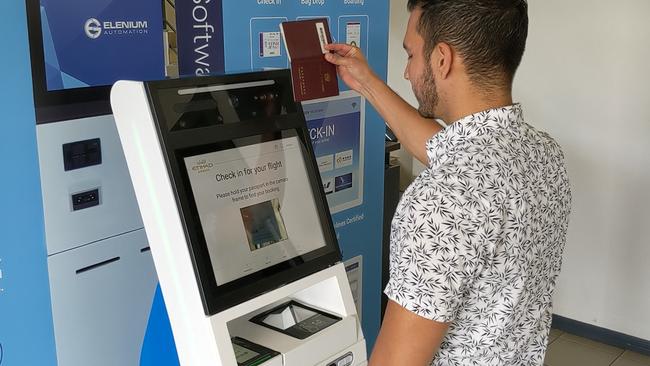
[312, 76]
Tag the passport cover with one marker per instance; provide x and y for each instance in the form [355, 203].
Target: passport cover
[312, 76]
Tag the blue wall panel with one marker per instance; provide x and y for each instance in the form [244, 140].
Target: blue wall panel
[26, 333]
[359, 229]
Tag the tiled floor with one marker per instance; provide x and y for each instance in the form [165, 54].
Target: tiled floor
[568, 350]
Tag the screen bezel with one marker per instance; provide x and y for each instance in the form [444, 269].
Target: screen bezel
[180, 144]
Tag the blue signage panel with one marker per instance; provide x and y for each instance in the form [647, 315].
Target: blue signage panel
[26, 329]
[337, 131]
[95, 43]
[199, 35]
[356, 191]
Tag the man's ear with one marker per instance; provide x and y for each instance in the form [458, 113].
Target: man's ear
[442, 58]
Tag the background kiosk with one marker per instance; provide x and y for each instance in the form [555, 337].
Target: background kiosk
[237, 221]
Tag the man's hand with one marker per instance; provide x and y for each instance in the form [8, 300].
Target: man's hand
[351, 65]
[411, 129]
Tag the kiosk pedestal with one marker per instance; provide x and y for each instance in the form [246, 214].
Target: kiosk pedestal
[237, 221]
[329, 334]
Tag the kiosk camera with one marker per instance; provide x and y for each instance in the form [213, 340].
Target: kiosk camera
[237, 220]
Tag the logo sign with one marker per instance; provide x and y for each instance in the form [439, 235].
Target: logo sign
[344, 158]
[325, 163]
[202, 166]
[95, 28]
[343, 182]
[328, 185]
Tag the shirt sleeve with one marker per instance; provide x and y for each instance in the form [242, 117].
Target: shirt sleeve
[435, 249]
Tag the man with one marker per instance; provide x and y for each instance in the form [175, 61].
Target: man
[477, 238]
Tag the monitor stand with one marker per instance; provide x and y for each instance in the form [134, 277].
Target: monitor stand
[312, 321]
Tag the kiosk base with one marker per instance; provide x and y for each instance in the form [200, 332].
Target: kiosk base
[319, 318]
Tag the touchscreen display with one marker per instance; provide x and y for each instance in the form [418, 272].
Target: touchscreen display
[256, 206]
[82, 38]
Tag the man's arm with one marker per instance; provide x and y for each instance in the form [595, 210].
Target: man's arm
[406, 338]
[411, 129]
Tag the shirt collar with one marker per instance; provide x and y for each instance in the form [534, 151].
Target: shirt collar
[443, 144]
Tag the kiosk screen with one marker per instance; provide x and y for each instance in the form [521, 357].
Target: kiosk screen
[255, 205]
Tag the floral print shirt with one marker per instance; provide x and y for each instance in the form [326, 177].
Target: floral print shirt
[477, 239]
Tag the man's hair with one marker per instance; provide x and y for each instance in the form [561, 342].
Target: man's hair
[490, 35]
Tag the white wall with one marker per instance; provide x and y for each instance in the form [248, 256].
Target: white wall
[585, 79]
[396, 64]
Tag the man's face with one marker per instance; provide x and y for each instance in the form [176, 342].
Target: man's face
[418, 70]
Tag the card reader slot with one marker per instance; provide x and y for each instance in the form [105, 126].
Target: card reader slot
[145, 249]
[97, 265]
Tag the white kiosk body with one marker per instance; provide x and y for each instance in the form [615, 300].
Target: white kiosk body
[237, 222]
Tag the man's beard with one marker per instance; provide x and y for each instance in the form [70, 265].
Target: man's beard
[427, 95]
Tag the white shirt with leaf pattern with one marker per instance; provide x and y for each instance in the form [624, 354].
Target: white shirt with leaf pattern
[477, 239]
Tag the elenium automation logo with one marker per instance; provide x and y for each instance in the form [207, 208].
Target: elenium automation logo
[95, 28]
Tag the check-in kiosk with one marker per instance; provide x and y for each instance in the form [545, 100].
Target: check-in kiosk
[237, 220]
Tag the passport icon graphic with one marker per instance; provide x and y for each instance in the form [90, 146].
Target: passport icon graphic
[311, 75]
[343, 182]
[270, 44]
